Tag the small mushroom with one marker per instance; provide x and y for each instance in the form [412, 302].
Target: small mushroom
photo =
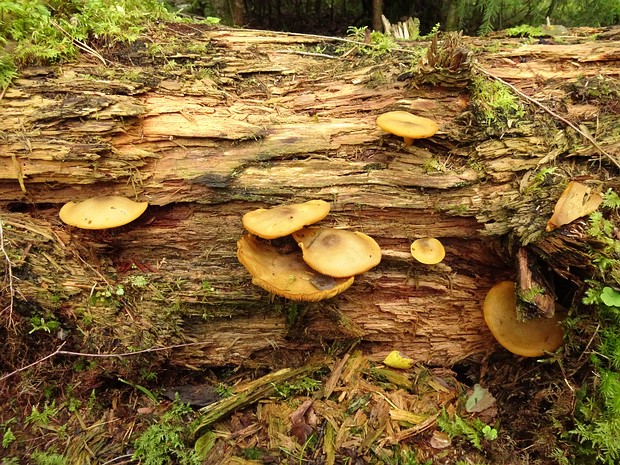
[406, 125]
[286, 274]
[428, 250]
[531, 338]
[283, 220]
[577, 200]
[338, 252]
[102, 212]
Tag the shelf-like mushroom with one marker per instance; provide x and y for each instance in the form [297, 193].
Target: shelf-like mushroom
[428, 250]
[407, 126]
[286, 274]
[338, 252]
[102, 212]
[283, 220]
[531, 338]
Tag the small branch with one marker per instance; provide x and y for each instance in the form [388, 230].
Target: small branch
[59, 351]
[310, 54]
[9, 279]
[585, 135]
[79, 44]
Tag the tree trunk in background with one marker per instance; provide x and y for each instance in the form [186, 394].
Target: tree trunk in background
[218, 122]
[238, 12]
[451, 22]
[377, 11]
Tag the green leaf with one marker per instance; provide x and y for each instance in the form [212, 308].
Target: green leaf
[204, 444]
[610, 297]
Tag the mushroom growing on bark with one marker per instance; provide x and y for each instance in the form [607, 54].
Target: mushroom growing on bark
[337, 252]
[286, 274]
[407, 126]
[283, 220]
[428, 250]
[531, 338]
[102, 212]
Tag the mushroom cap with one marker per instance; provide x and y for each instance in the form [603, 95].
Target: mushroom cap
[286, 274]
[338, 252]
[428, 250]
[577, 200]
[107, 211]
[404, 124]
[531, 338]
[283, 220]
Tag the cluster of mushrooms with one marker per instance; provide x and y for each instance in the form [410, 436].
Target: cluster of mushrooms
[322, 263]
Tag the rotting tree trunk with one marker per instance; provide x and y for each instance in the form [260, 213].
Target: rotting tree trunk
[214, 123]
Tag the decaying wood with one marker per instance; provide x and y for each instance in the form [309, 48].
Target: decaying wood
[213, 123]
[535, 293]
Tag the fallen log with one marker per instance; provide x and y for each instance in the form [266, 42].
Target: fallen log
[217, 122]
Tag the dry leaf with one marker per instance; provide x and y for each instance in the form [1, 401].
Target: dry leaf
[576, 201]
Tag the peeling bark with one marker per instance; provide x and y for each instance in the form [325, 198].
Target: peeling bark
[223, 121]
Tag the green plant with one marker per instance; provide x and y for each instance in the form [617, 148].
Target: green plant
[597, 418]
[47, 32]
[304, 386]
[472, 429]
[43, 417]
[8, 438]
[376, 46]
[47, 458]
[166, 441]
[40, 324]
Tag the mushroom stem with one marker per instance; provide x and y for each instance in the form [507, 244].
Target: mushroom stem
[408, 141]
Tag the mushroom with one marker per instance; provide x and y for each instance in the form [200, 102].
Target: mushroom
[576, 201]
[283, 220]
[286, 274]
[428, 250]
[406, 125]
[531, 338]
[102, 212]
[337, 252]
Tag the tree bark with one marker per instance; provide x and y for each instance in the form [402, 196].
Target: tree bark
[218, 122]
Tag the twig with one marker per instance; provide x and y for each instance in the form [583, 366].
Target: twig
[59, 351]
[585, 135]
[9, 278]
[309, 54]
[79, 44]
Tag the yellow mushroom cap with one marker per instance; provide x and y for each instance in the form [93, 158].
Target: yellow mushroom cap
[108, 211]
[286, 274]
[531, 338]
[338, 252]
[428, 250]
[404, 124]
[283, 220]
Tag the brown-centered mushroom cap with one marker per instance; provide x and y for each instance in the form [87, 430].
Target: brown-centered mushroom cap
[428, 250]
[406, 125]
[531, 338]
[283, 220]
[286, 274]
[109, 211]
[338, 252]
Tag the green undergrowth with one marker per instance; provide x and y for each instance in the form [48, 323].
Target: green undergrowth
[37, 32]
[597, 416]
